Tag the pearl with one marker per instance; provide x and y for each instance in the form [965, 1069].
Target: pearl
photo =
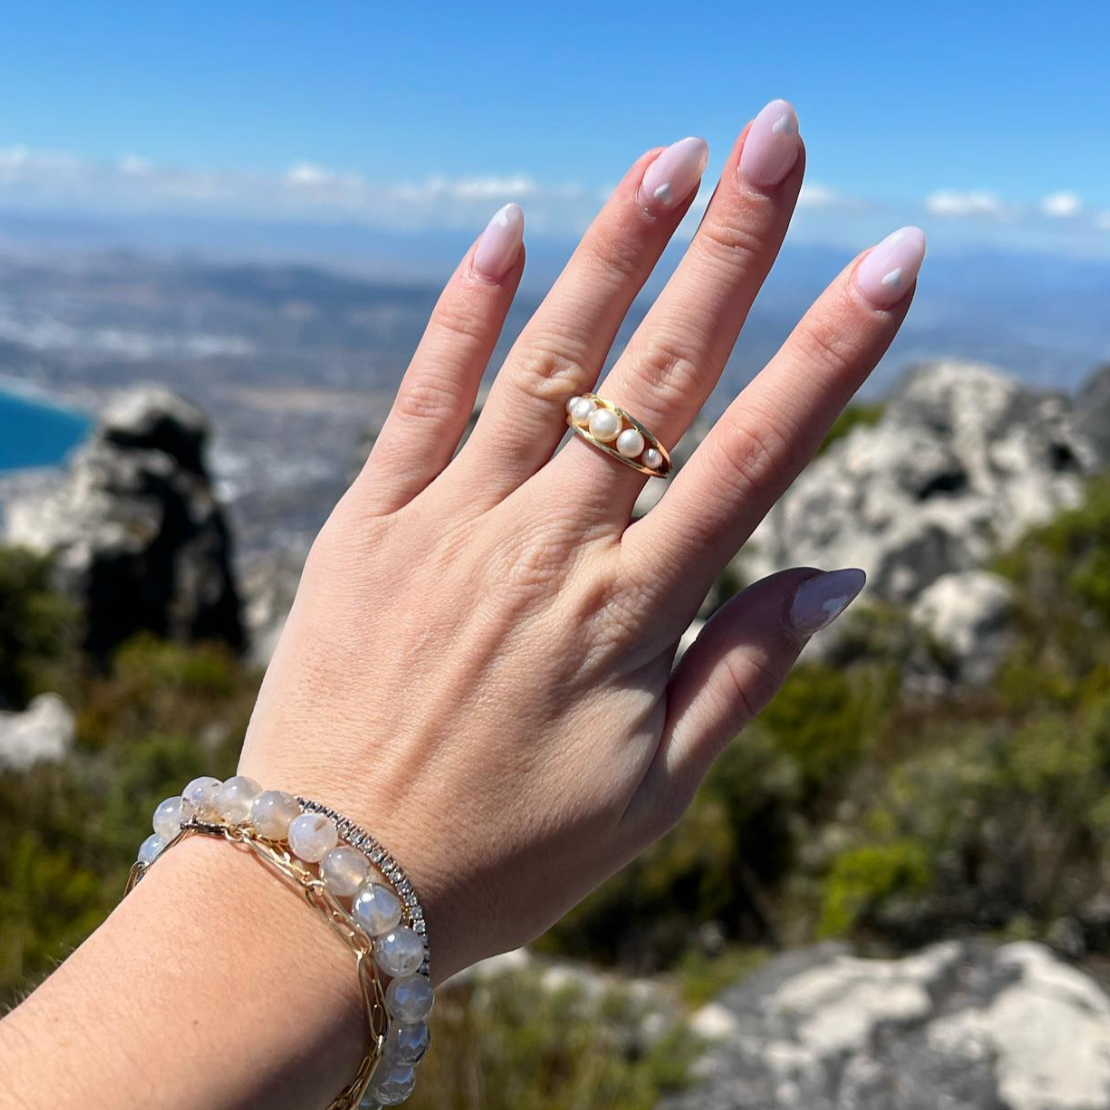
[605, 425]
[580, 409]
[168, 817]
[271, 813]
[312, 836]
[391, 1084]
[409, 999]
[400, 952]
[377, 909]
[653, 458]
[406, 1042]
[344, 870]
[630, 443]
[200, 798]
[235, 798]
[150, 848]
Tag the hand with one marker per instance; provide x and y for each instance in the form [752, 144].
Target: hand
[478, 666]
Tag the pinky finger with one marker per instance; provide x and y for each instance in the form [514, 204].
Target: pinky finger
[437, 393]
[734, 668]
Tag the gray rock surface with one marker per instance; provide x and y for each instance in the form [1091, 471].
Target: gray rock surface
[963, 461]
[967, 615]
[135, 530]
[43, 732]
[959, 1026]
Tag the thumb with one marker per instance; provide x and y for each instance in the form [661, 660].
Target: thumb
[737, 664]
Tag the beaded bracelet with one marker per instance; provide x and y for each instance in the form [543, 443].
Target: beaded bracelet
[354, 883]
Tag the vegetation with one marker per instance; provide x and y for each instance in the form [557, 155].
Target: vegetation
[857, 806]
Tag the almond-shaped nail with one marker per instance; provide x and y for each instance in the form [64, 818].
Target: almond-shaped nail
[499, 244]
[888, 271]
[674, 175]
[818, 601]
[772, 145]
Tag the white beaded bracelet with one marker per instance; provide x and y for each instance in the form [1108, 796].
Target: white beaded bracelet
[355, 883]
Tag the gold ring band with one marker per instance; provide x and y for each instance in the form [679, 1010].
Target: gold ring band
[625, 438]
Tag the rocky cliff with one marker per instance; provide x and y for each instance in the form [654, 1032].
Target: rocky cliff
[134, 528]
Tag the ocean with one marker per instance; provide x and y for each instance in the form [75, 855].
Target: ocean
[36, 433]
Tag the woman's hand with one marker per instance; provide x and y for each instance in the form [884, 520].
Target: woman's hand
[478, 666]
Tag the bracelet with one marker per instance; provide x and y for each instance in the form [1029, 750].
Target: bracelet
[359, 889]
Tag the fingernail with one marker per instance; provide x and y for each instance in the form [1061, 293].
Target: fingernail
[500, 243]
[671, 178]
[889, 270]
[818, 601]
[772, 145]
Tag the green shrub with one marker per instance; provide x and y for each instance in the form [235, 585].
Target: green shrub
[862, 879]
[513, 1043]
[861, 414]
[38, 628]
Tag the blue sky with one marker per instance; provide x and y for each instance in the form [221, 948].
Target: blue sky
[987, 123]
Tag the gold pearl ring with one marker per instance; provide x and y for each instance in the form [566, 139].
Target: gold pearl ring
[612, 430]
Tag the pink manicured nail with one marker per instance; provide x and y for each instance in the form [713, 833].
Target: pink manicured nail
[673, 175]
[772, 146]
[889, 270]
[500, 243]
[821, 599]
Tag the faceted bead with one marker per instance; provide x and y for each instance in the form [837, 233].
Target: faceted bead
[200, 798]
[344, 869]
[235, 798]
[652, 458]
[392, 1083]
[630, 443]
[168, 817]
[150, 848]
[407, 1042]
[605, 425]
[312, 836]
[377, 909]
[400, 952]
[409, 999]
[271, 813]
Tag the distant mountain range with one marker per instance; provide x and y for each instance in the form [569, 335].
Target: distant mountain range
[296, 360]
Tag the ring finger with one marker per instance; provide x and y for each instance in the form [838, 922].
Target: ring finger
[680, 349]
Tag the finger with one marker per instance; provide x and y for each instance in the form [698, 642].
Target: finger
[562, 349]
[437, 393]
[734, 668]
[765, 437]
[679, 350]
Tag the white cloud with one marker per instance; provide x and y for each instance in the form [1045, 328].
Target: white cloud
[1102, 220]
[308, 173]
[975, 202]
[1062, 205]
[815, 195]
[135, 165]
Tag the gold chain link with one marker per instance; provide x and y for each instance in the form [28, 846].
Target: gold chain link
[341, 923]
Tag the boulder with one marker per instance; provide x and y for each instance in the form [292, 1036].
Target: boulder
[134, 528]
[43, 732]
[967, 615]
[962, 462]
[959, 1025]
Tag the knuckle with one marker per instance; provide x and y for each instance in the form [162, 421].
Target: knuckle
[830, 348]
[752, 682]
[614, 256]
[668, 370]
[732, 244]
[547, 369]
[453, 316]
[428, 398]
[752, 452]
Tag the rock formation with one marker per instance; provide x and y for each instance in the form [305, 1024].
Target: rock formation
[135, 530]
[42, 733]
[963, 461]
[963, 1026]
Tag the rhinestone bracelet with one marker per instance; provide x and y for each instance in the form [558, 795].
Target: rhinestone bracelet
[361, 891]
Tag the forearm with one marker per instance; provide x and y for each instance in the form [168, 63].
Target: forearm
[213, 984]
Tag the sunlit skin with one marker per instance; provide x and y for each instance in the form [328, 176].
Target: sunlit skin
[479, 665]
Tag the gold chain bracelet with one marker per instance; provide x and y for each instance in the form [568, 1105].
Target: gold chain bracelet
[328, 858]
